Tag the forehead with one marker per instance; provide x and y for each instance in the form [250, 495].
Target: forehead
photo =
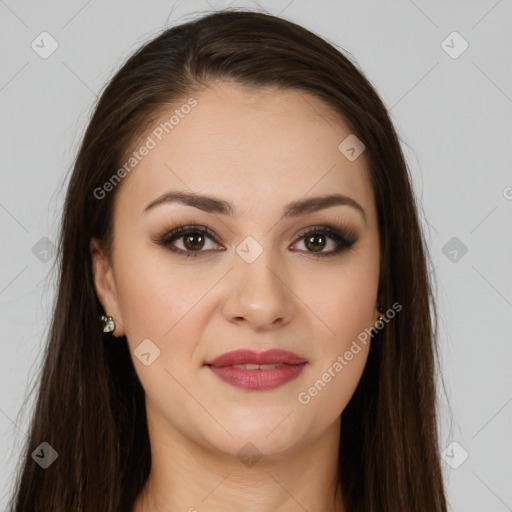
[257, 147]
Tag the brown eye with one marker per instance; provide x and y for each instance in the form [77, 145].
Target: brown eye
[192, 239]
[194, 242]
[315, 243]
[317, 238]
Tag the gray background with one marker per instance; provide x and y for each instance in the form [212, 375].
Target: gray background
[454, 119]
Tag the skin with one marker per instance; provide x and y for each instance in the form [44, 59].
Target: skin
[259, 150]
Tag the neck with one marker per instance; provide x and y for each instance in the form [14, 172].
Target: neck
[187, 475]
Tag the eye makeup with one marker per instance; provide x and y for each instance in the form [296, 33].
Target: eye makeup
[194, 237]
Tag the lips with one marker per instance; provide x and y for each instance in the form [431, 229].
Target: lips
[245, 356]
[257, 371]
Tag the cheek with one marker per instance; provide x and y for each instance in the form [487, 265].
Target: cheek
[346, 309]
[343, 301]
[162, 302]
[327, 394]
[341, 357]
[156, 296]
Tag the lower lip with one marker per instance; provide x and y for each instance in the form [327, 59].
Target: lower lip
[257, 380]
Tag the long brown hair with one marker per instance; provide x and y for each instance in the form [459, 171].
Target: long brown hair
[90, 404]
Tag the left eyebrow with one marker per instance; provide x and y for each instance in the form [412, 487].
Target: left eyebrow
[294, 209]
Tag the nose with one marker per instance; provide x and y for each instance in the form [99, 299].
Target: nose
[259, 294]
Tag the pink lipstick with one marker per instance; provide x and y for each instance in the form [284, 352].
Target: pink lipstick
[257, 371]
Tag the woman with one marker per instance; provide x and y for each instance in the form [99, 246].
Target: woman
[290, 363]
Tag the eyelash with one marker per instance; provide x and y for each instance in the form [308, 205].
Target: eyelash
[345, 238]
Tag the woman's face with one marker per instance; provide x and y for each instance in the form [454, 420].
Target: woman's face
[254, 281]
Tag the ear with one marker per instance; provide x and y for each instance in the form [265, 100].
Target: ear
[105, 286]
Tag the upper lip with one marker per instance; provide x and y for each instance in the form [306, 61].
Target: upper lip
[246, 356]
